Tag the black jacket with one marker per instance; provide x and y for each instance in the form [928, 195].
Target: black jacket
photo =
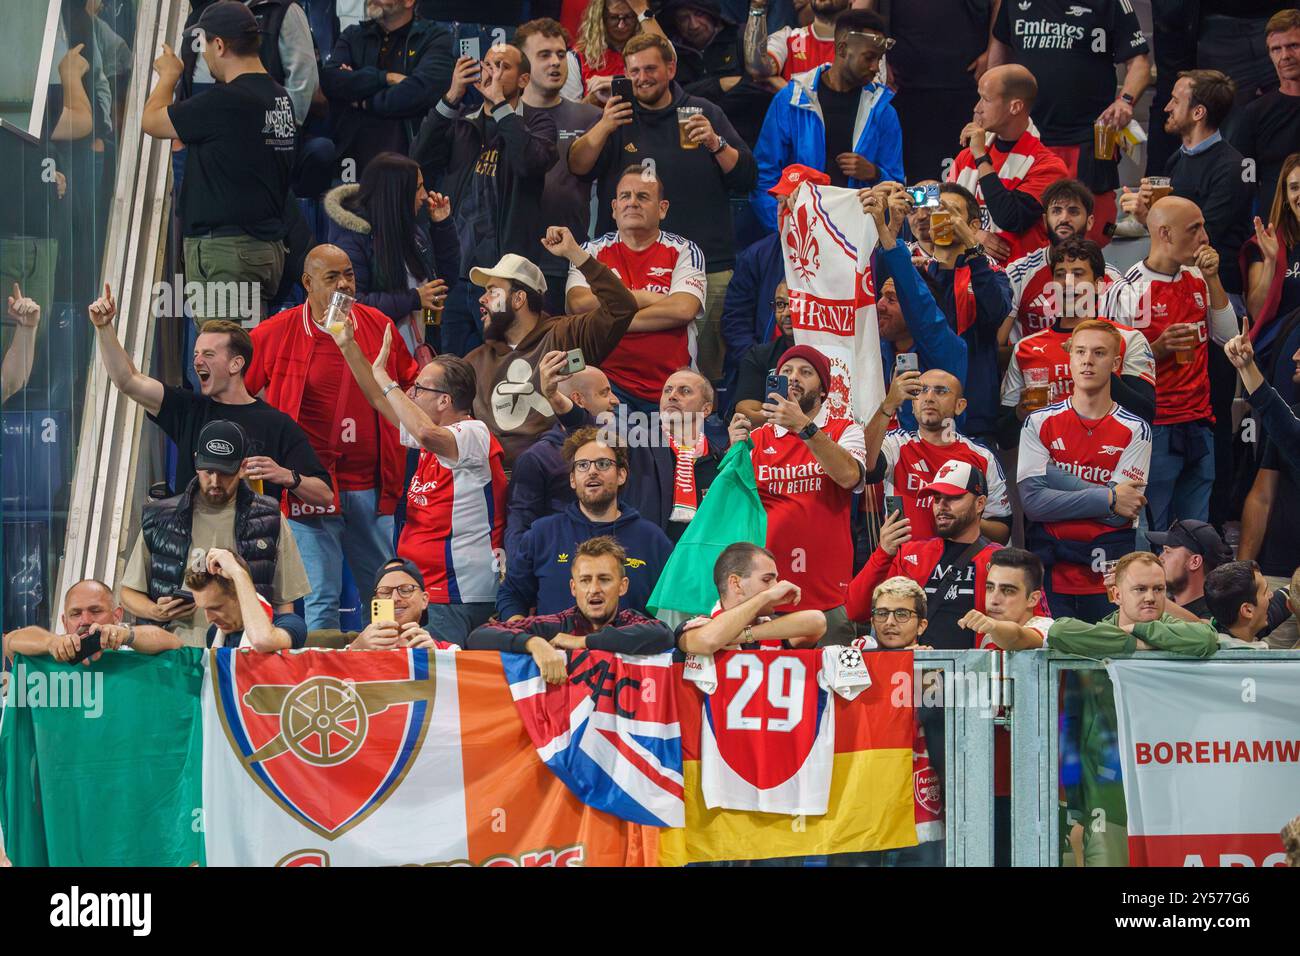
[368, 115]
[166, 528]
[628, 633]
[493, 168]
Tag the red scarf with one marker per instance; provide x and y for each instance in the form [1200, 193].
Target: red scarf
[685, 496]
[282, 354]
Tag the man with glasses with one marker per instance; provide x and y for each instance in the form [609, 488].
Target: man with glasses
[835, 117]
[537, 579]
[760, 360]
[401, 582]
[908, 460]
[951, 568]
[455, 502]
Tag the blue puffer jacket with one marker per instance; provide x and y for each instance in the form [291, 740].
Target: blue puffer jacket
[794, 132]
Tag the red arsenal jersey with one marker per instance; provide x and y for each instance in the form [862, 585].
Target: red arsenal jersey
[1032, 301]
[1114, 448]
[799, 49]
[911, 464]
[642, 361]
[1047, 349]
[807, 512]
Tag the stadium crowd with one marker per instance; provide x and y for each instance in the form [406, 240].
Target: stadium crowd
[522, 287]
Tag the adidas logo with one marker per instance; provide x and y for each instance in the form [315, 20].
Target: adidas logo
[922, 466]
[769, 450]
[1058, 444]
[1024, 5]
[562, 558]
[910, 557]
[630, 148]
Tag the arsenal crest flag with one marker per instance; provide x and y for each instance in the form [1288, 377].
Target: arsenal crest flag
[827, 241]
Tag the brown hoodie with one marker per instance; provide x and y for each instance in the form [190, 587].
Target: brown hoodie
[508, 398]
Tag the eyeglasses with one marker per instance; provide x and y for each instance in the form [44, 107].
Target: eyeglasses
[426, 388]
[780, 303]
[583, 465]
[901, 614]
[937, 390]
[405, 590]
[620, 18]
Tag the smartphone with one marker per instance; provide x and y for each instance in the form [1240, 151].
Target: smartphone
[779, 384]
[90, 644]
[183, 595]
[893, 505]
[469, 46]
[906, 362]
[382, 610]
[621, 86]
[927, 196]
[576, 362]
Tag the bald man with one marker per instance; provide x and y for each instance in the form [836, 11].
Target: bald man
[1005, 165]
[88, 608]
[907, 461]
[539, 483]
[1174, 297]
[297, 368]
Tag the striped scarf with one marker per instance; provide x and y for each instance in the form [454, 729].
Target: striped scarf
[685, 496]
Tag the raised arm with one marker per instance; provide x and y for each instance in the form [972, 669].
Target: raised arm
[258, 628]
[135, 385]
[155, 120]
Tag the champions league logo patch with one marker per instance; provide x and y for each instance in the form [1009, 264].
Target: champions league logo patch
[329, 750]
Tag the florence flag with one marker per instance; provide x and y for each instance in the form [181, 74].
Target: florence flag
[1210, 755]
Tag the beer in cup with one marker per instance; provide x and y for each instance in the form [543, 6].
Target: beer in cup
[1161, 186]
[941, 231]
[1104, 141]
[1037, 392]
[684, 115]
[337, 313]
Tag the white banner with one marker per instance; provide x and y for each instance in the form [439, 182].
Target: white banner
[1210, 752]
[826, 243]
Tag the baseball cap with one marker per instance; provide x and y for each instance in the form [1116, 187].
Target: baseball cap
[957, 478]
[512, 268]
[221, 448]
[793, 175]
[1199, 537]
[227, 19]
[399, 564]
[813, 358]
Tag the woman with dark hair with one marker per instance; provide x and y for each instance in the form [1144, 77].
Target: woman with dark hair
[1271, 260]
[400, 238]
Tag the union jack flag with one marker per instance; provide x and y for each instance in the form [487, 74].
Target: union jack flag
[610, 733]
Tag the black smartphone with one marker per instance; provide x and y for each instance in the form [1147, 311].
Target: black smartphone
[184, 595]
[893, 505]
[621, 87]
[779, 384]
[90, 644]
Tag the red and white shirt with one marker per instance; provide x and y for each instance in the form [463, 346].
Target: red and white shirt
[1030, 167]
[456, 517]
[1150, 302]
[1116, 447]
[1047, 349]
[807, 512]
[799, 49]
[1031, 299]
[642, 361]
[912, 462]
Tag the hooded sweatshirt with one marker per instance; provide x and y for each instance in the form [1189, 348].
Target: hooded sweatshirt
[539, 570]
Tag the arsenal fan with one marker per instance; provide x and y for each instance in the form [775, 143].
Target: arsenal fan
[1039, 371]
[1174, 297]
[401, 582]
[808, 466]
[89, 608]
[1068, 214]
[595, 621]
[1005, 164]
[951, 567]
[1013, 591]
[790, 50]
[749, 589]
[666, 275]
[455, 502]
[304, 375]
[906, 461]
[1078, 521]
[238, 615]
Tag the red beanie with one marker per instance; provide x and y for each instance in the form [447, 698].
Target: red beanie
[813, 358]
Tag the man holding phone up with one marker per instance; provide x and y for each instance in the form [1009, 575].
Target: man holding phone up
[807, 467]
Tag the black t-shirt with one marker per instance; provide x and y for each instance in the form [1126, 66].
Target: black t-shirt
[240, 137]
[958, 597]
[1267, 131]
[1071, 48]
[840, 112]
[936, 41]
[1278, 555]
[1199, 608]
[751, 380]
[1290, 285]
[270, 432]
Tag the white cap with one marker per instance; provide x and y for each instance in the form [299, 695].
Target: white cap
[512, 268]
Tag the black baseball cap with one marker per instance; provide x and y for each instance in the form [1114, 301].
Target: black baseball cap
[1199, 537]
[222, 447]
[399, 564]
[227, 19]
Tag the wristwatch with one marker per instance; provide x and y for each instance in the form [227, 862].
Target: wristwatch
[722, 144]
[388, 388]
[1128, 98]
[297, 479]
[808, 431]
[646, 14]
[747, 635]
[984, 159]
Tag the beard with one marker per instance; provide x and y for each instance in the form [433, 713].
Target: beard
[497, 324]
[957, 525]
[596, 498]
[808, 402]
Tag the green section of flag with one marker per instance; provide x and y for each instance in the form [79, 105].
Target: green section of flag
[730, 512]
[101, 765]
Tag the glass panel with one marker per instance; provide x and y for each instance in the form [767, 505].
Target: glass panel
[1094, 819]
[51, 247]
